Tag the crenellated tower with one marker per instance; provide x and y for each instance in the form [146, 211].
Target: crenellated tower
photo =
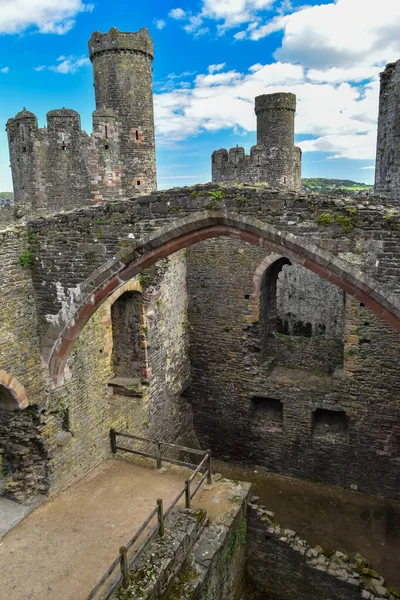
[122, 69]
[275, 159]
[61, 167]
[387, 173]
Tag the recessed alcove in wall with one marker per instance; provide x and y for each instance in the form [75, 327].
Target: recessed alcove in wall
[268, 411]
[330, 424]
[128, 354]
[7, 399]
[301, 318]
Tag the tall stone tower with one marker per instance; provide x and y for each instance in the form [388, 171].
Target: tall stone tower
[275, 159]
[387, 174]
[61, 167]
[122, 68]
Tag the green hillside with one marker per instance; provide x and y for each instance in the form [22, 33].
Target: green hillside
[6, 198]
[312, 184]
[324, 186]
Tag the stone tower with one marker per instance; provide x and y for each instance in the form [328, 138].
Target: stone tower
[122, 68]
[61, 167]
[387, 174]
[274, 160]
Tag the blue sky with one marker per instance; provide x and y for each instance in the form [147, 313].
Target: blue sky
[212, 57]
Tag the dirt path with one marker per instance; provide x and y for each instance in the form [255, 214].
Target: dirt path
[62, 549]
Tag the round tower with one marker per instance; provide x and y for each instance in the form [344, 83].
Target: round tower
[122, 68]
[275, 132]
[387, 173]
[22, 133]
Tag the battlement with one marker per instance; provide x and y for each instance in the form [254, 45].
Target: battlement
[389, 72]
[118, 41]
[274, 102]
[274, 159]
[60, 167]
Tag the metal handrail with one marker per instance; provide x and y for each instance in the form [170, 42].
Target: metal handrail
[122, 560]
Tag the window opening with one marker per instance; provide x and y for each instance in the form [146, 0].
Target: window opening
[7, 400]
[269, 411]
[330, 424]
[128, 354]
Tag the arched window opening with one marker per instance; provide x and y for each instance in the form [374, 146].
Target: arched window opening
[7, 399]
[268, 307]
[301, 318]
[128, 354]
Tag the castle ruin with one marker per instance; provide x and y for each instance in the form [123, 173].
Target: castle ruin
[60, 166]
[275, 159]
[258, 321]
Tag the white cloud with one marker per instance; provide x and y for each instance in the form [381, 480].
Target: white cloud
[330, 57]
[177, 13]
[355, 146]
[159, 23]
[341, 74]
[342, 34]
[39, 68]
[226, 13]
[341, 117]
[46, 16]
[5, 70]
[369, 167]
[68, 64]
[216, 68]
[184, 74]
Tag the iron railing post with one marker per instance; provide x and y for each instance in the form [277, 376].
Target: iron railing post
[158, 454]
[124, 567]
[187, 493]
[113, 439]
[161, 528]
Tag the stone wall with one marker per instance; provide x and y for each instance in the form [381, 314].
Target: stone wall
[246, 406]
[387, 174]
[60, 167]
[154, 408]
[215, 568]
[265, 410]
[274, 160]
[65, 431]
[283, 566]
[22, 431]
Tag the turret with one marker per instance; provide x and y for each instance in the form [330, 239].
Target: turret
[274, 160]
[275, 132]
[387, 174]
[275, 120]
[122, 68]
[22, 131]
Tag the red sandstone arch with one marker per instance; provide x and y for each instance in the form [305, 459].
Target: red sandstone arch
[68, 324]
[15, 389]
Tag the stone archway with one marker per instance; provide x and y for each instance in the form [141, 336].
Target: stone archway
[60, 338]
[12, 394]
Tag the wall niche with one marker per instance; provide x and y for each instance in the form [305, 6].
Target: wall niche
[332, 425]
[268, 413]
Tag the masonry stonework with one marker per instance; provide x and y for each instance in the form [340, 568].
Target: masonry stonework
[241, 348]
[387, 173]
[61, 167]
[274, 160]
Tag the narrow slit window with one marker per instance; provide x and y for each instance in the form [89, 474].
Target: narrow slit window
[106, 131]
[137, 135]
[138, 182]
